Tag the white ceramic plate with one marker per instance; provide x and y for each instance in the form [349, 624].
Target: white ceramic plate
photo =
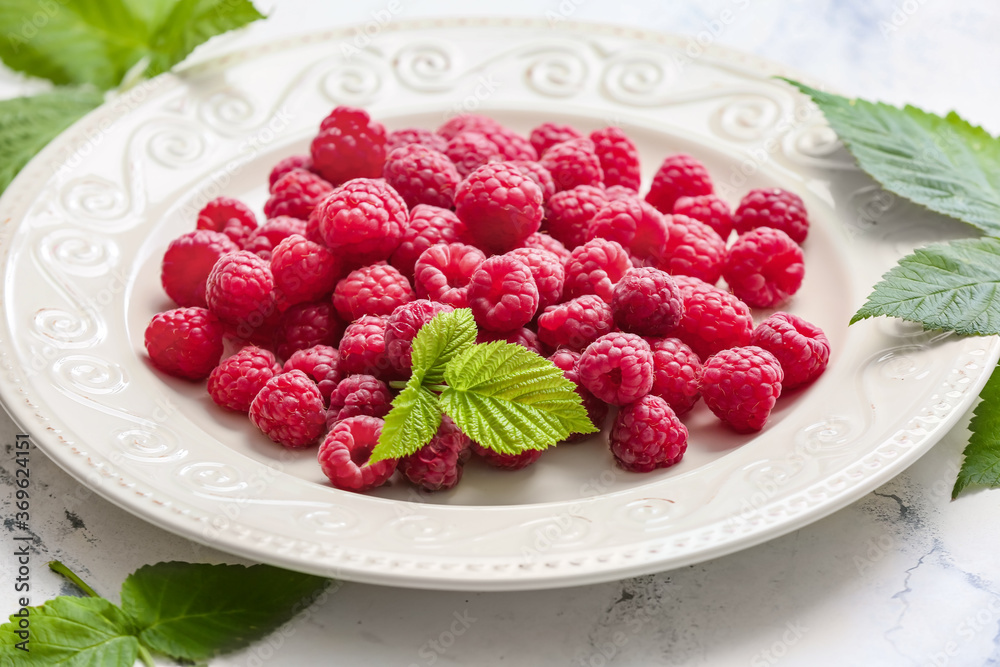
[86, 223]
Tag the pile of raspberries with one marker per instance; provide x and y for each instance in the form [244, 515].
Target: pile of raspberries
[303, 320]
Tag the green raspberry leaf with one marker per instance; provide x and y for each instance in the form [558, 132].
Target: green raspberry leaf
[510, 399]
[944, 163]
[27, 124]
[439, 341]
[98, 41]
[193, 611]
[982, 454]
[71, 632]
[950, 286]
[411, 423]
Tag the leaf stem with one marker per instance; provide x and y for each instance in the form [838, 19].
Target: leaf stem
[59, 568]
[145, 656]
[436, 387]
[398, 384]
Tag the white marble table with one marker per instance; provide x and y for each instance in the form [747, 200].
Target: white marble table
[902, 577]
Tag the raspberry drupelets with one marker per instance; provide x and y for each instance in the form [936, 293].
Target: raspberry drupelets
[647, 435]
[240, 290]
[713, 319]
[595, 268]
[647, 302]
[422, 175]
[402, 327]
[506, 461]
[764, 267]
[371, 290]
[415, 135]
[597, 410]
[229, 216]
[438, 465]
[709, 209]
[502, 294]
[545, 242]
[617, 368]
[362, 221]
[512, 146]
[573, 163]
[773, 207]
[526, 338]
[321, 363]
[469, 150]
[262, 240]
[362, 348]
[633, 223]
[539, 174]
[289, 410]
[184, 342]
[500, 207]
[442, 273]
[285, 166]
[305, 325]
[547, 271]
[303, 270]
[676, 373]
[800, 346]
[678, 176]
[237, 380]
[344, 455]
[349, 145]
[576, 323]
[618, 156]
[296, 194]
[429, 225]
[358, 395]
[188, 261]
[547, 135]
[692, 249]
[568, 214]
[741, 385]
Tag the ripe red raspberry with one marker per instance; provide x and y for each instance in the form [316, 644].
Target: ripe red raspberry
[414, 135]
[526, 338]
[443, 272]
[547, 135]
[637, 226]
[500, 207]
[676, 373]
[296, 194]
[576, 323]
[547, 271]
[349, 145]
[502, 294]
[740, 386]
[568, 214]
[262, 240]
[362, 221]
[306, 325]
[800, 346]
[235, 382]
[362, 348]
[289, 410]
[184, 342]
[286, 165]
[229, 216]
[422, 176]
[543, 241]
[506, 461]
[647, 435]
[597, 410]
[344, 455]
[429, 225]
[710, 209]
[303, 270]
[618, 156]
[512, 145]
[573, 163]
[321, 363]
[764, 267]
[357, 395]
[371, 290]
[678, 176]
[617, 368]
[773, 207]
[402, 327]
[187, 262]
[240, 290]
[647, 302]
[713, 318]
[470, 150]
[692, 249]
[438, 465]
[539, 174]
[595, 268]
[615, 192]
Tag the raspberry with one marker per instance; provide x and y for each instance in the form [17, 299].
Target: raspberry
[422, 176]
[740, 386]
[438, 465]
[614, 192]
[633, 223]
[506, 461]
[764, 267]
[428, 226]
[678, 176]
[296, 194]
[306, 325]
[344, 455]
[362, 348]
[443, 272]
[303, 270]
[618, 156]
[573, 163]
[549, 134]
[469, 150]
[415, 135]
[362, 220]
[187, 262]
[773, 207]
[371, 290]
[240, 289]
[595, 268]
[526, 338]
[289, 410]
[617, 368]
[576, 323]
[800, 346]
[597, 410]
[676, 373]
[692, 249]
[647, 302]
[647, 435]
[402, 327]
[184, 342]
[512, 146]
[262, 240]
[713, 319]
[709, 209]
[321, 363]
[546, 270]
[358, 395]
[229, 216]
[500, 207]
[286, 165]
[539, 174]
[502, 294]
[545, 242]
[349, 145]
[568, 214]
[235, 382]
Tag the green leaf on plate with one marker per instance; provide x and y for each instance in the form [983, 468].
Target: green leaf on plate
[509, 399]
[98, 41]
[951, 286]
[27, 124]
[439, 341]
[982, 454]
[944, 163]
[411, 423]
[193, 611]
